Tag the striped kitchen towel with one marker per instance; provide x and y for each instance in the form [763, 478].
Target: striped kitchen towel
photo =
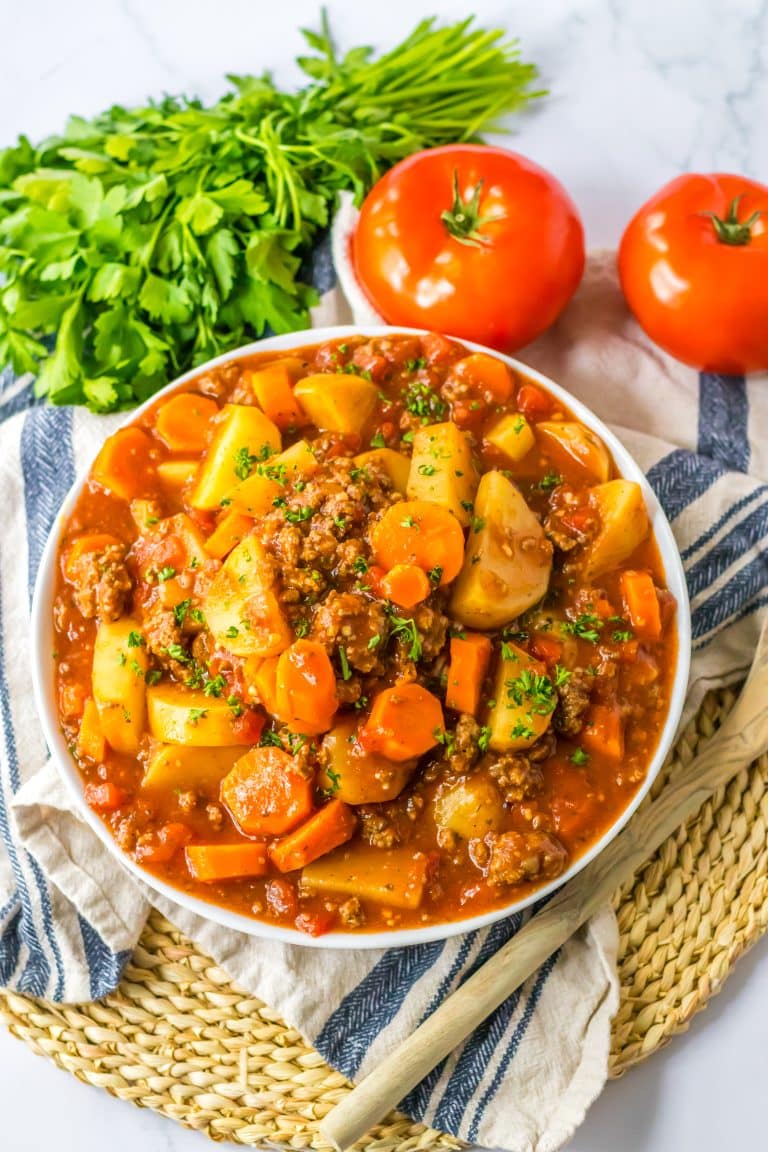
[69, 915]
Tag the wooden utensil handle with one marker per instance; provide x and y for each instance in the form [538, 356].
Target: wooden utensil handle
[743, 736]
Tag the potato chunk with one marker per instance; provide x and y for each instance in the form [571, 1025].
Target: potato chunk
[512, 435]
[572, 443]
[179, 715]
[470, 808]
[119, 690]
[256, 494]
[335, 402]
[355, 776]
[442, 470]
[241, 607]
[171, 766]
[393, 463]
[522, 702]
[394, 877]
[243, 434]
[624, 525]
[508, 559]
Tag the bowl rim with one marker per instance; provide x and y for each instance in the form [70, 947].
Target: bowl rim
[43, 667]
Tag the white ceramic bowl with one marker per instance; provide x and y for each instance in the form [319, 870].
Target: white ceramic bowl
[45, 696]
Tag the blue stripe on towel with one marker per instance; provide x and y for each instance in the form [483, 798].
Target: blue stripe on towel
[10, 948]
[682, 477]
[415, 1103]
[724, 420]
[514, 1043]
[349, 1031]
[750, 580]
[48, 466]
[728, 551]
[734, 510]
[104, 965]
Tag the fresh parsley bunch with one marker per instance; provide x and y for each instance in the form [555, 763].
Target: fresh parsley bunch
[149, 239]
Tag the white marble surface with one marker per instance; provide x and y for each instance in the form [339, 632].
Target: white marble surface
[640, 91]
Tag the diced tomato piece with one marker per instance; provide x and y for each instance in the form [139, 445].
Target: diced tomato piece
[545, 648]
[160, 847]
[315, 923]
[533, 402]
[368, 361]
[104, 796]
[282, 898]
[438, 350]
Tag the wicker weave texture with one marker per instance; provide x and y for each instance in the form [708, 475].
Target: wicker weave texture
[178, 1037]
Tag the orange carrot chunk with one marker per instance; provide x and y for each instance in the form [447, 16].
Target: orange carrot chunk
[273, 388]
[183, 423]
[228, 532]
[305, 685]
[104, 796]
[419, 532]
[405, 721]
[265, 793]
[125, 465]
[406, 585]
[604, 731]
[212, 862]
[90, 740]
[470, 656]
[486, 376]
[325, 830]
[641, 603]
[161, 846]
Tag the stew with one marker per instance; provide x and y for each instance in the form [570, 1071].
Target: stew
[367, 636]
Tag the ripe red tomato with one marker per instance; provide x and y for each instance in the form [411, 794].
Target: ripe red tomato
[693, 265]
[470, 240]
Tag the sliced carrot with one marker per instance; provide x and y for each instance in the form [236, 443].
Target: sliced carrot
[546, 648]
[183, 423]
[333, 824]
[406, 585]
[265, 792]
[305, 684]
[91, 742]
[171, 592]
[264, 680]
[104, 796]
[211, 862]
[124, 465]
[404, 722]
[470, 656]
[485, 375]
[273, 388]
[604, 731]
[533, 402]
[641, 603]
[160, 847]
[228, 532]
[83, 546]
[421, 533]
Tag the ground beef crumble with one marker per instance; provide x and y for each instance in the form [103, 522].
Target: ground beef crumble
[102, 583]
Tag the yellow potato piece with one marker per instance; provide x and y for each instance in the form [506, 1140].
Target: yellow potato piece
[512, 435]
[572, 442]
[391, 876]
[442, 470]
[624, 525]
[241, 607]
[359, 777]
[515, 725]
[179, 715]
[298, 461]
[335, 402]
[470, 808]
[119, 688]
[171, 766]
[174, 474]
[395, 464]
[242, 433]
[507, 562]
[256, 494]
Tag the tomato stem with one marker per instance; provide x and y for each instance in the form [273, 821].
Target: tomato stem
[463, 220]
[731, 230]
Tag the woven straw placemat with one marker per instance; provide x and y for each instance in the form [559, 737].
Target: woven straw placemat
[180, 1038]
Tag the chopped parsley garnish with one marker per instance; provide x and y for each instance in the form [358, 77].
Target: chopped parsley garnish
[166, 573]
[301, 628]
[194, 562]
[360, 565]
[621, 637]
[407, 437]
[478, 523]
[137, 669]
[518, 425]
[378, 441]
[587, 627]
[446, 738]
[346, 671]
[135, 640]
[484, 738]
[579, 756]
[215, 686]
[122, 659]
[435, 574]
[356, 370]
[270, 739]
[426, 469]
[361, 703]
[421, 400]
[340, 522]
[235, 705]
[550, 481]
[507, 652]
[406, 629]
[245, 461]
[176, 652]
[415, 365]
[374, 641]
[409, 522]
[231, 632]
[299, 515]
[335, 780]
[562, 675]
[522, 731]
[154, 676]
[533, 689]
[180, 611]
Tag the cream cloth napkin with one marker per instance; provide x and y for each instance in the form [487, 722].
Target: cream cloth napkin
[69, 913]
